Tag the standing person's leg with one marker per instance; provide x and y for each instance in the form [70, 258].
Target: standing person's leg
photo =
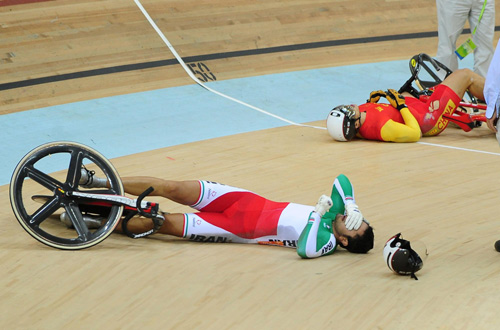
[483, 38]
[452, 15]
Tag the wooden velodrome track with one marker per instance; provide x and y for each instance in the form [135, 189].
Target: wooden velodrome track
[445, 197]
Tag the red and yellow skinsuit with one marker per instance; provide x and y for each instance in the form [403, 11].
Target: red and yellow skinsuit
[423, 116]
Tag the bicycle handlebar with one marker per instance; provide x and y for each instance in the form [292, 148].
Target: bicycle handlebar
[139, 202]
[153, 215]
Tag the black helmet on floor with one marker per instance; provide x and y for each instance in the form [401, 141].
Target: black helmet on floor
[401, 258]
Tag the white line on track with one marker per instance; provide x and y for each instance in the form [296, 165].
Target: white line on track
[195, 79]
[459, 148]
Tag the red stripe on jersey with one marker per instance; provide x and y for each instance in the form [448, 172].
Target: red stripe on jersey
[244, 214]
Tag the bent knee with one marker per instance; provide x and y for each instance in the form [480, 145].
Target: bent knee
[463, 73]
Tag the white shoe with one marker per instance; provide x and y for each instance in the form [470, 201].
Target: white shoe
[91, 222]
[324, 204]
[89, 180]
[498, 132]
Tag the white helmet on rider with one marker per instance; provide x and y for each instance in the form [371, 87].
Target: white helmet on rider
[341, 124]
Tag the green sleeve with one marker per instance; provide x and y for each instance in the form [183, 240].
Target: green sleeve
[317, 238]
[342, 193]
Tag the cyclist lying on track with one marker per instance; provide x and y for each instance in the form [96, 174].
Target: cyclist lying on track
[229, 214]
[405, 118]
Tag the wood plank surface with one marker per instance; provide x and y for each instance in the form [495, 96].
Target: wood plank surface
[54, 38]
[431, 194]
[442, 193]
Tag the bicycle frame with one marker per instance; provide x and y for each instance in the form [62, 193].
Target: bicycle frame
[132, 207]
[462, 119]
[108, 204]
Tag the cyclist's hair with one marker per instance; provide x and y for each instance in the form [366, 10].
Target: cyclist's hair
[360, 243]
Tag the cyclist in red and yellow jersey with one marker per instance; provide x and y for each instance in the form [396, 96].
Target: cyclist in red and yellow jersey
[405, 118]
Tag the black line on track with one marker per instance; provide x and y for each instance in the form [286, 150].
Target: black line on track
[216, 56]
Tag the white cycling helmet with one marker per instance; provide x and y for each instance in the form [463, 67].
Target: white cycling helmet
[401, 258]
[340, 123]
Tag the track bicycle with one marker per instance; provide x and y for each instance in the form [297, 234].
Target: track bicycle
[38, 196]
[425, 75]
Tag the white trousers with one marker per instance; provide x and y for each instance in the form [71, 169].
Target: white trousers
[452, 16]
